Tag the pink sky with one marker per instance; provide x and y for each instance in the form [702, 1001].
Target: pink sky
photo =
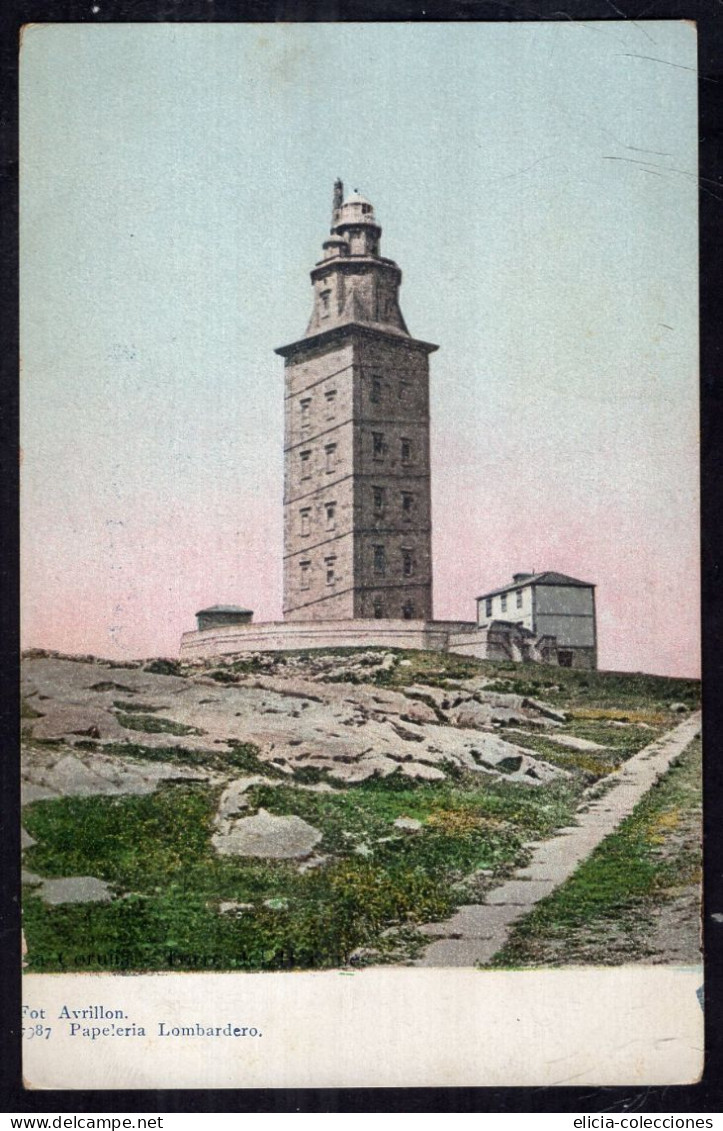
[175, 196]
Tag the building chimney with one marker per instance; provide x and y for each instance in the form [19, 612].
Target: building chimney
[518, 577]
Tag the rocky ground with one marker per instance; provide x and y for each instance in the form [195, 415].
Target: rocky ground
[349, 731]
[256, 736]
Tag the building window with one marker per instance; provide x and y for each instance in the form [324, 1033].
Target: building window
[404, 391]
[503, 602]
[376, 393]
[325, 297]
[407, 563]
[305, 407]
[518, 596]
[406, 447]
[331, 516]
[564, 659]
[380, 561]
[305, 458]
[378, 608]
[378, 445]
[305, 517]
[379, 499]
[408, 610]
[330, 565]
[330, 451]
[330, 398]
[488, 607]
[407, 504]
[305, 573]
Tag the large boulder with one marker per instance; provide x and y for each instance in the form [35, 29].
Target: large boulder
[267, 836]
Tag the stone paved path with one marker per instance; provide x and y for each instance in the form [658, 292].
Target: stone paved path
[477, 931]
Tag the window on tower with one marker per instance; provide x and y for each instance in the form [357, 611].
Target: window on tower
[330, 452]
[407, 504]
[380, 561]
[378, 445]
[330, 398]
[330, 566]
[331, 516]
[379, 499]
[376, 392]
[406, 450]
[304, 574]
[305, 460]
[305, 516]
[305, 408]
[407, 563]
[325, 297]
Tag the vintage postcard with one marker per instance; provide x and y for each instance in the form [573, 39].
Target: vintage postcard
[361, 728]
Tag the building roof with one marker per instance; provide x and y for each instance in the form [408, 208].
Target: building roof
[549, 577]
[223, 609]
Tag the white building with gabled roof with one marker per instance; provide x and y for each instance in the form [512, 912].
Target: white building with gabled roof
[556, 613]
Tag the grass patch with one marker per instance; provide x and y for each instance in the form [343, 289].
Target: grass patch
[163, 667]
[379, 881]
[615, 891]
[135, 708]
[242, 756]
[154, 724]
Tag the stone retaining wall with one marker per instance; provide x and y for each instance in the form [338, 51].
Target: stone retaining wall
[277, 636]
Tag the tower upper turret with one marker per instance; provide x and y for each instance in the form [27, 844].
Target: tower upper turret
[352, 281]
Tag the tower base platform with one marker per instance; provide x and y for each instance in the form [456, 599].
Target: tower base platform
[283, 636]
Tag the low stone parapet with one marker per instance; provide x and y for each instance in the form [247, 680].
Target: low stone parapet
[282, 636]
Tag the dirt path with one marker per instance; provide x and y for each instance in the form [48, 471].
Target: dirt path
[477, 931]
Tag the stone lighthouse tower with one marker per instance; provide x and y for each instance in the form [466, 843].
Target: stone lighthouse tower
[357, 520]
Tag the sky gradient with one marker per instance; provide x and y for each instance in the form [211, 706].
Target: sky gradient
[536, 183]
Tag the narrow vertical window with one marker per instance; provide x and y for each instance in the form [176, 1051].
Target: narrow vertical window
[376, 392]
[380, 561]
[379, 499]
[330, 451]
[330, 398]
[330, 566]
[305, 407]
[488, 607]
[305, 460]
[407, 504]
[503, 602]
[331, 516]
[407, 563]
[519, 598]
[408, 610]
[378, 445]
[378, 608]
[406, 450]
[304, 574]
[305, 517]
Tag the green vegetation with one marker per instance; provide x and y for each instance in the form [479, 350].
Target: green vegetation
[153, 724]
[606, 912]
[378, 882]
